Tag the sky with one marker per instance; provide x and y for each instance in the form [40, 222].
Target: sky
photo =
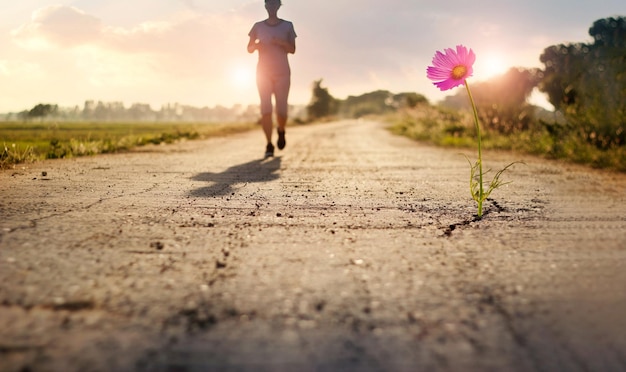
[193, 52]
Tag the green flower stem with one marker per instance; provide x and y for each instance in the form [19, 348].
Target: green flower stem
[480, 158]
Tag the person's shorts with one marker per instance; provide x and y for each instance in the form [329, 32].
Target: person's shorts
[277, 85]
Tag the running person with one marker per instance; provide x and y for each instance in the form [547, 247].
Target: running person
[274, 39]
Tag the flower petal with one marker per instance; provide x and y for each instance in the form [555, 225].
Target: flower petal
[444, 63]
[436, 73]
[449, 84]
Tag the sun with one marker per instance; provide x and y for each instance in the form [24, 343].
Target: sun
[241, 76]
[490, 65]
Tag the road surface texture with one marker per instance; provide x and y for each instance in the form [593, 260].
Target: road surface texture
[351, 250]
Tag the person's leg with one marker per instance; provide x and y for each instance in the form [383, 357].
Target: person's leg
[264, 84]
[282, 95]
[267, 124]
[281, 120]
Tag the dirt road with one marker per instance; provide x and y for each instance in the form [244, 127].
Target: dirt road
[351, 250]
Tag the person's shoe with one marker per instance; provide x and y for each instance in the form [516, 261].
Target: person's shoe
[269, 150]
[281, 140]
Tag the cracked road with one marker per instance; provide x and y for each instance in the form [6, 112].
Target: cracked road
[351, 250]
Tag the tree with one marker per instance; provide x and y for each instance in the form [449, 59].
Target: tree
[42, 110]
[502, 101]
[322, 103]
[587, 83]
[376, 102]
[409, 99]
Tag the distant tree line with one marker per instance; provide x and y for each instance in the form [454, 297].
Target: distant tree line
[138, 112]
[324, 105]
[42, 110]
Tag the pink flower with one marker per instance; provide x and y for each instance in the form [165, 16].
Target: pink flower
[451, 68]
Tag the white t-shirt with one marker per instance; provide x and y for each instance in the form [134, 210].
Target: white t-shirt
[272, 58]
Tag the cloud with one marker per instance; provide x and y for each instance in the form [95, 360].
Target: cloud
[58, 25]
[189, 45]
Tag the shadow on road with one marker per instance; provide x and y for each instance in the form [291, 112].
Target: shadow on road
[263, 170]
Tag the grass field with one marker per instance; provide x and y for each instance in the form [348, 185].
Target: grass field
[28, 142]
[456, 129]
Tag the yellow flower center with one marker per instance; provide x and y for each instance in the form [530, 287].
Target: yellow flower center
[458, 72]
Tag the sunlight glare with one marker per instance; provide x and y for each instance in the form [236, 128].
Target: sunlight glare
[242, 77]
[540, 99]
[490, 65]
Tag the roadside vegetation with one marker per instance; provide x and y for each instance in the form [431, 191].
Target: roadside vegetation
[451, 128]
[26, 142]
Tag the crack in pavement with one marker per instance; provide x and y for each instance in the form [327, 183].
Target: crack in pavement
[33, 222]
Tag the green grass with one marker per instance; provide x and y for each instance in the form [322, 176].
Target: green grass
[30, 142]
[449, 128]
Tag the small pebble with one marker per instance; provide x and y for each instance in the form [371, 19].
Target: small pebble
[157, 245]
